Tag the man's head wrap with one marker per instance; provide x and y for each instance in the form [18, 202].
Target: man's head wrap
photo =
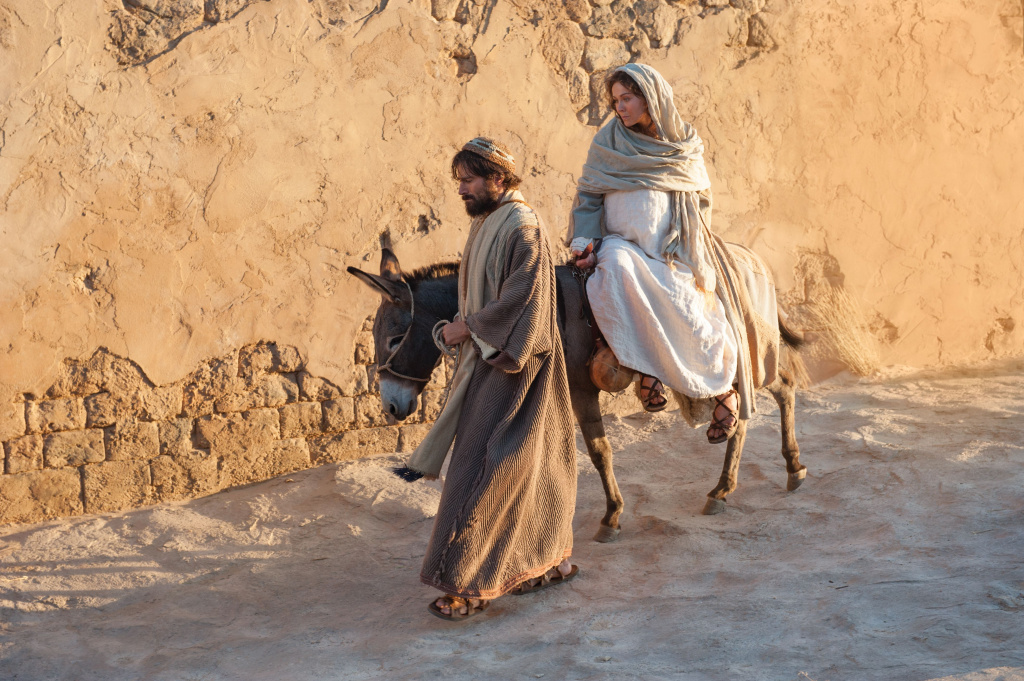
[495, 152]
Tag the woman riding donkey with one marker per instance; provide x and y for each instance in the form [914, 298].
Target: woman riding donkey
[667, 295]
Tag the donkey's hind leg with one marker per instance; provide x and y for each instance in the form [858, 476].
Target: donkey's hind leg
[587, 408]
[730, 470]
[784, 392]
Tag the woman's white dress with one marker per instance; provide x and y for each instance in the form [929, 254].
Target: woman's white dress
[653, 317]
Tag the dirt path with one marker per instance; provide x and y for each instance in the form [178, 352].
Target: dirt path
[902, 557]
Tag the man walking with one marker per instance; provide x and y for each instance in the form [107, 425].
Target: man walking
[504, 523]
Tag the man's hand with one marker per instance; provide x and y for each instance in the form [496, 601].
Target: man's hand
[455, 333]
[585, 259]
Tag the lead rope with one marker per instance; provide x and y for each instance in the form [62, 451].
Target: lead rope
[452, 352]
[386, 366]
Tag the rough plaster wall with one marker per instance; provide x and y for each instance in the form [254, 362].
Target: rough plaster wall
[180, 179]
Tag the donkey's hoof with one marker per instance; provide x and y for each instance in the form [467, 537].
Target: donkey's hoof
[714, 506]
[796, 479]
[606, 534]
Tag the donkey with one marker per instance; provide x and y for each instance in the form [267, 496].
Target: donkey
[406, 356]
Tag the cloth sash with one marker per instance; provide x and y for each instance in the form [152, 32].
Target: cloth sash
[479, 277]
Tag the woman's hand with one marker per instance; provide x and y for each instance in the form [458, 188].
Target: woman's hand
[455, 333]
[585, 259]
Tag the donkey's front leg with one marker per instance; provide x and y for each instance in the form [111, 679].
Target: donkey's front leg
[600, 451]
[784, 392]
[727, 483]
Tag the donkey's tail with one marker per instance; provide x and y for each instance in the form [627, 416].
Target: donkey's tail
[790, 336]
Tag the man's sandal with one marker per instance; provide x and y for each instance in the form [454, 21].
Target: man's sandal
[652, 395]
[544, 581]
[720, 422]
[456, 605]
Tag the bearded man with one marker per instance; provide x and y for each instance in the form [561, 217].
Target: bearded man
[504, 523]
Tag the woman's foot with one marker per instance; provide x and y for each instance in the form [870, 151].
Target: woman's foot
[652, 394]
[725, 417]
[450, 607]
[562, 572]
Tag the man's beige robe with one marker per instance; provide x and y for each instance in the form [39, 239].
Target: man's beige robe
[506, 509]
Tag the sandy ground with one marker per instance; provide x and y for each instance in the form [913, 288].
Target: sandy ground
[899, 558]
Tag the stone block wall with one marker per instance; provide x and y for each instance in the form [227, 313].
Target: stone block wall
[104, 438]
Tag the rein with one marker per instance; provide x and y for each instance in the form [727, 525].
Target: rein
[386, 366]
[435, 335]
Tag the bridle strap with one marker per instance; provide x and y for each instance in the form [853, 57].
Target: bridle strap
[386, 366]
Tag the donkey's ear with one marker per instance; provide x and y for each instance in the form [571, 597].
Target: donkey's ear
[389, 267]
[391, 290]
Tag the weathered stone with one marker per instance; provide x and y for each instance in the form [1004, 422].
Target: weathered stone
[578, 10]
[301, 419]
[286, 358]
[102, 410]
[160, 404]
[748, 6]
[12, 420]
[24, 454]
[759, 32]
[56, 415]
[116, 485]
[578, 83]
[146, 404]
[353, 444]
[439, 377]
[237, 431]
[267, 390]
[364, 353]
[184, 476]
[444, 10]
[242, 442]
[339, 414]
[369, 413]
[264, 461]
[73, 448]
[430, 404]
[254, 359]
[599, 109]
[40, 495]
[175, 436]
[287, 456]
[658, 20]
[611, 22]
[278, 389]
[102, 372]
[127, 440]
[214, 379]
[562, 46]
[601, 54]
[410, 436]
[315, 388]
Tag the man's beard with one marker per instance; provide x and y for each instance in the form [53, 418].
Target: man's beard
[482, 205]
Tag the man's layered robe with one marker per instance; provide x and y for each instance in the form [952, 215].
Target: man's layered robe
[506, 509]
